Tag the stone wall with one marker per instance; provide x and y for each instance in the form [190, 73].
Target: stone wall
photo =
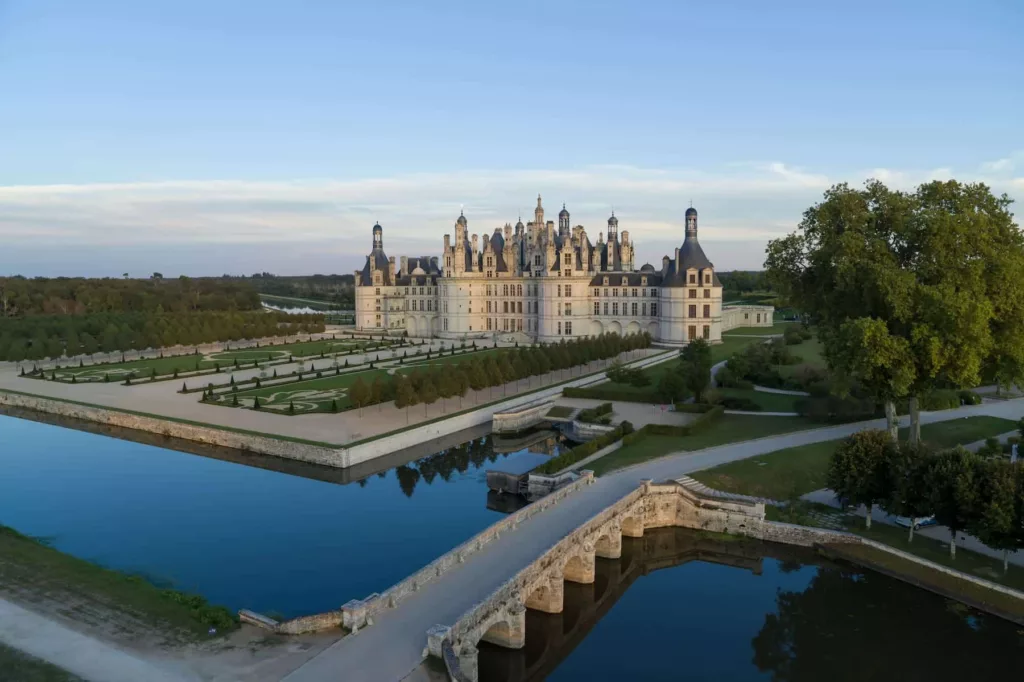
[266, 445]
[521, 418]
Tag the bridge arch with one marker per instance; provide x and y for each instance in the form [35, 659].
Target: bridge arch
[633, 526]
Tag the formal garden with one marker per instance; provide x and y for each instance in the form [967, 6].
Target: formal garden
[415, 378]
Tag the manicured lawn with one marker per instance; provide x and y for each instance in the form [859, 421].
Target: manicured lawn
[29, 566]
[560, 411]
[16, 665]
[792, 472]
[811, 354]
[769, 402]
[776, 328]
[307, 396]
[731, 428]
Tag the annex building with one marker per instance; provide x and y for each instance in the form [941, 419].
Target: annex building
[539, 282]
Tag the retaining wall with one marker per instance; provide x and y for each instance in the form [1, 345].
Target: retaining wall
[515, 420]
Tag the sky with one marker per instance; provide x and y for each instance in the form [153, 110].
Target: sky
[210, 137]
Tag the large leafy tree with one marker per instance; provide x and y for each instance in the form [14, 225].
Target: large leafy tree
[696, 367]
[909, 290]
[995, 521]
[907, 471]
[857, 472]
[953, 489]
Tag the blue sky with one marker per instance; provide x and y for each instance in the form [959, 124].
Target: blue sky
[221, 136]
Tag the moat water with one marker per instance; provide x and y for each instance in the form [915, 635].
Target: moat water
[242, 536]
[285, 538]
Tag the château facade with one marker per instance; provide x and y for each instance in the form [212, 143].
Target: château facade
[539, 282]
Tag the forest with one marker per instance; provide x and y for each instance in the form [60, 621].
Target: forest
[336, 289]
[49, 318]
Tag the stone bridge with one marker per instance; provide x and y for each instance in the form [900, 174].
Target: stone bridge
[501, 618]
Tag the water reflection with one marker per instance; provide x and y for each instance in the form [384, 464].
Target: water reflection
[743, 610]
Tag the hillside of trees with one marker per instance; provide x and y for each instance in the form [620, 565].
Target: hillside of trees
[744, 281]
[335, 289]
[21, 296]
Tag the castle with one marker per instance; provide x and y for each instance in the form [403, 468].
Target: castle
[536, 282]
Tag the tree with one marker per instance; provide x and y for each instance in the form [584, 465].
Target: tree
[461, 384]
[256, 403]
[907, 471]
[359, 394]
[405, 395]
[857, 470]
[953, 491]
[995, 521]
[909, 291]
[447, 386]
[428, 394]
[671, 387]
[696, 367]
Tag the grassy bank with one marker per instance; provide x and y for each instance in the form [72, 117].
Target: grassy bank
[20, 667]
[792, 472]
[28, 567]
[731, 428]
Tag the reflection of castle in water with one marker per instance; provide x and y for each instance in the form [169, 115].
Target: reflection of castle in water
[550, 638]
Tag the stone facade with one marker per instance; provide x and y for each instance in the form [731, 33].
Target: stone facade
[536, 282]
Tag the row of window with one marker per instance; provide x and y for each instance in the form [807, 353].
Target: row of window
[693, 293]
[625, 292]
[642, 307]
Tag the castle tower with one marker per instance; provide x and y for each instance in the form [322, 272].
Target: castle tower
[563, 223]
[378, 236]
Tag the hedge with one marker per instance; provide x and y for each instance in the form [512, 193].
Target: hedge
[593, 415]
[570, 457]
[605, 392]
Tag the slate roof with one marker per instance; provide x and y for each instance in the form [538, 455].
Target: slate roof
[380, 261]
[633, 279]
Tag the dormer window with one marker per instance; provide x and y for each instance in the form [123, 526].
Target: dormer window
[707, 279]
[693, 278]
[625, 281]
[606, 281]
[643, 281]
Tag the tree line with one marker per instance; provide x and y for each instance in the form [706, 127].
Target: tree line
[909, 291]
[21, 296]
[335, 289]
[744, 281]
[980, 494]
[428, 385]
[53, 336]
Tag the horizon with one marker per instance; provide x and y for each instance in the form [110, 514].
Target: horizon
[246, 138]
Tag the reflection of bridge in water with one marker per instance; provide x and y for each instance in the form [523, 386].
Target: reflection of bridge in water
[541, 441]
[551, 637]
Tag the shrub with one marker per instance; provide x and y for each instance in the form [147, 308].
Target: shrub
[738, 403]
[940, 399]
[835, 410]
[969, 397]
[570, 457]
[693, 408]
[792, 336]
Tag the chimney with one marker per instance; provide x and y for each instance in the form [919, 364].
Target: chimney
[474, 242]
[664, 265]
[391, 262]
[447, 242]
[404, 269]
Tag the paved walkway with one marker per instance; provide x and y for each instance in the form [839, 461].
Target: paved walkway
[393, 646]
[84, 656]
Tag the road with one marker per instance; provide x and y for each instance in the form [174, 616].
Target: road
[393, 646]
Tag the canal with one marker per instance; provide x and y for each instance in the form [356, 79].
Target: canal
[683, 605]
[277, 537]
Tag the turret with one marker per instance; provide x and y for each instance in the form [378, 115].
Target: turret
[563, 222]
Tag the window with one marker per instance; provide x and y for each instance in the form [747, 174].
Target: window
[597, 293]
[707, 280]
[707, 332]
[634, 293]
[693, 293]
[597, 308]
[643, 309]
[654, 292]
[519, 325]
[606, 284]
[568, 309]
[505, 305]
[693, 278]
[446, 324]
[615, 292]
[691, 332]
[759, 317]
[559, 290]
[606, 307]
[559, 328]
[504, 290]
[488, 306]
[606, 290]
[378, 291]
[568, 328]
[407, 291]
[634, 308]
[488, 324]
[378, 320]
[568, 273]
[490, 262]
[746, 316]
[615, 308]
[707, 311]
[654, 310]
[693, 311]
[707, 293]
[536, 259]
[504, 324]
[519, 290]
[568, 290]
[519, 305]
[625, 282]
